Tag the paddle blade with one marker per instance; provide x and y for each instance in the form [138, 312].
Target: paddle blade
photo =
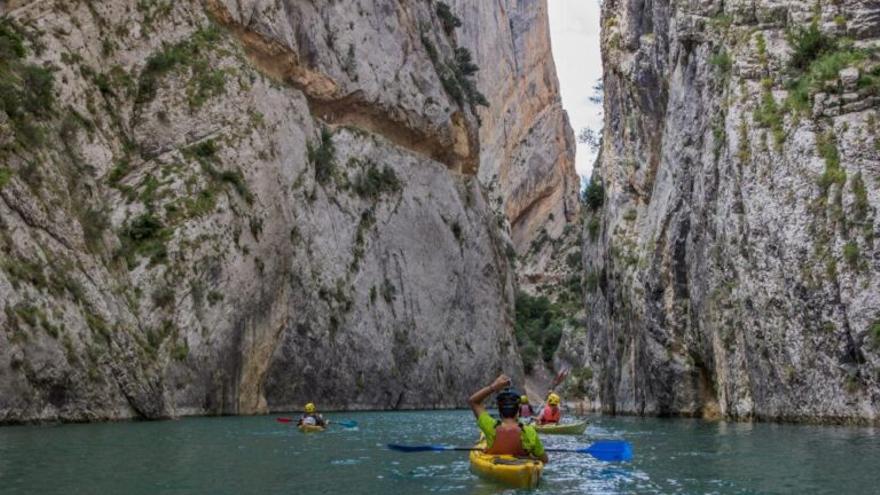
[416, 448]
[610, 450]
[347, 423]
[284, 420]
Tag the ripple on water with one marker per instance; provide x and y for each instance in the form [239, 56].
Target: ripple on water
[256, 454]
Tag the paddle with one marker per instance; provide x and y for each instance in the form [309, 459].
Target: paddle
[342, 422]
[604, 450]
[555, 383]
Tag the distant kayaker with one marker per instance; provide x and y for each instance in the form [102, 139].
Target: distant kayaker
[525, 409]
[551, 414]
[507, 436]
[311, 417]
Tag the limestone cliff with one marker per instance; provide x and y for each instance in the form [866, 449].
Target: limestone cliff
[732, 268]
[236, 206]
[527, 141]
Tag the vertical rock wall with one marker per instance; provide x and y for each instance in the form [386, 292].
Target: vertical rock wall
[527, 142]
[234, 207]
[733, 268]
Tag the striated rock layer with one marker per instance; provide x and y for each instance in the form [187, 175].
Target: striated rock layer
[733, 269]
[229, 207]
[528, 146]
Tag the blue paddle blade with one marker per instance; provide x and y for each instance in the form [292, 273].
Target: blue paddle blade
[610, 450]
[416, 448]
[348, 423]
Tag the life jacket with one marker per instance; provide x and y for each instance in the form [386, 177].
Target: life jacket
[508, 441]
[525, 411]
[550, 414]
[313, 419]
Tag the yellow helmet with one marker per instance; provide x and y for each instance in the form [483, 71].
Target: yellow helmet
[310, 407]
[553, 400]
[524, 399]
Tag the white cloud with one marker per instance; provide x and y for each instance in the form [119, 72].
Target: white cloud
[574, 33]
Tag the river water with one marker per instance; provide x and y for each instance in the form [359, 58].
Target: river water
[237, 455]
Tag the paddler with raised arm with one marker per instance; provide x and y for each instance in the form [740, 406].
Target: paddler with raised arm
[506, 436]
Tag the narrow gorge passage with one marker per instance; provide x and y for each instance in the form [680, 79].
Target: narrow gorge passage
[459, 246]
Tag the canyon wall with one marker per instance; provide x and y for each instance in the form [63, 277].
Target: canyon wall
[732, 269]
[231, 207]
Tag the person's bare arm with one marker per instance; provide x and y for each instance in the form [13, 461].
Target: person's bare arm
[476, 400]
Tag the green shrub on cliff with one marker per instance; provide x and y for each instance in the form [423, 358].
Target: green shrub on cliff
[26, 90]
[144, 236]
[722, 60]
[322, 156]
[826, 144]
[538, 328]
[372, 182]
[807, 44]
[593, 196]
[449, 20]
[205, 81]
[851, 254]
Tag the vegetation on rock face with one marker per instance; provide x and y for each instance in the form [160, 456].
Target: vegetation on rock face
[593, 227]
[205, 153]
[456, 74]
[372, 182]
[26, 90]
[826, 145]
[593, 196]
[538, 329]
[807, 44]
[449, 20]
[205, 80]
[322, 156]
[144, 236]
[5, 176]
[578, 382]
[818, 58]
[860, 193]
[722, 60]
[851, 254]
[769, 114]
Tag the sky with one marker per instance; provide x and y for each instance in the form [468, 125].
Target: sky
[574, 34]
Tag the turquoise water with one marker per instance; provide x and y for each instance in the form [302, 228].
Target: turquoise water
[259, 455]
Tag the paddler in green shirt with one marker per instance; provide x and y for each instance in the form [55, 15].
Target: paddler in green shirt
[506, 436]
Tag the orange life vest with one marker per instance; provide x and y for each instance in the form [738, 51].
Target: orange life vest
[550, 414]
[508, 441]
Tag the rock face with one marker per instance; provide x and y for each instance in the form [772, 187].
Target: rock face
[733, 268]
[527, 142]
[237, 206]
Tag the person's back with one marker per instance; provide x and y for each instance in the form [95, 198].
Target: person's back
[311, 416]
[551, 414]
[506, 436]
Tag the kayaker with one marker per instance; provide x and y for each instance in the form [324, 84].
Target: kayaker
[311, 417]
[525, 409]
[551, 414]
[506, 436]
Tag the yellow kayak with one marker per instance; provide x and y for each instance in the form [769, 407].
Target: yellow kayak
[310, 428]
[506, 469]
[576, 428]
